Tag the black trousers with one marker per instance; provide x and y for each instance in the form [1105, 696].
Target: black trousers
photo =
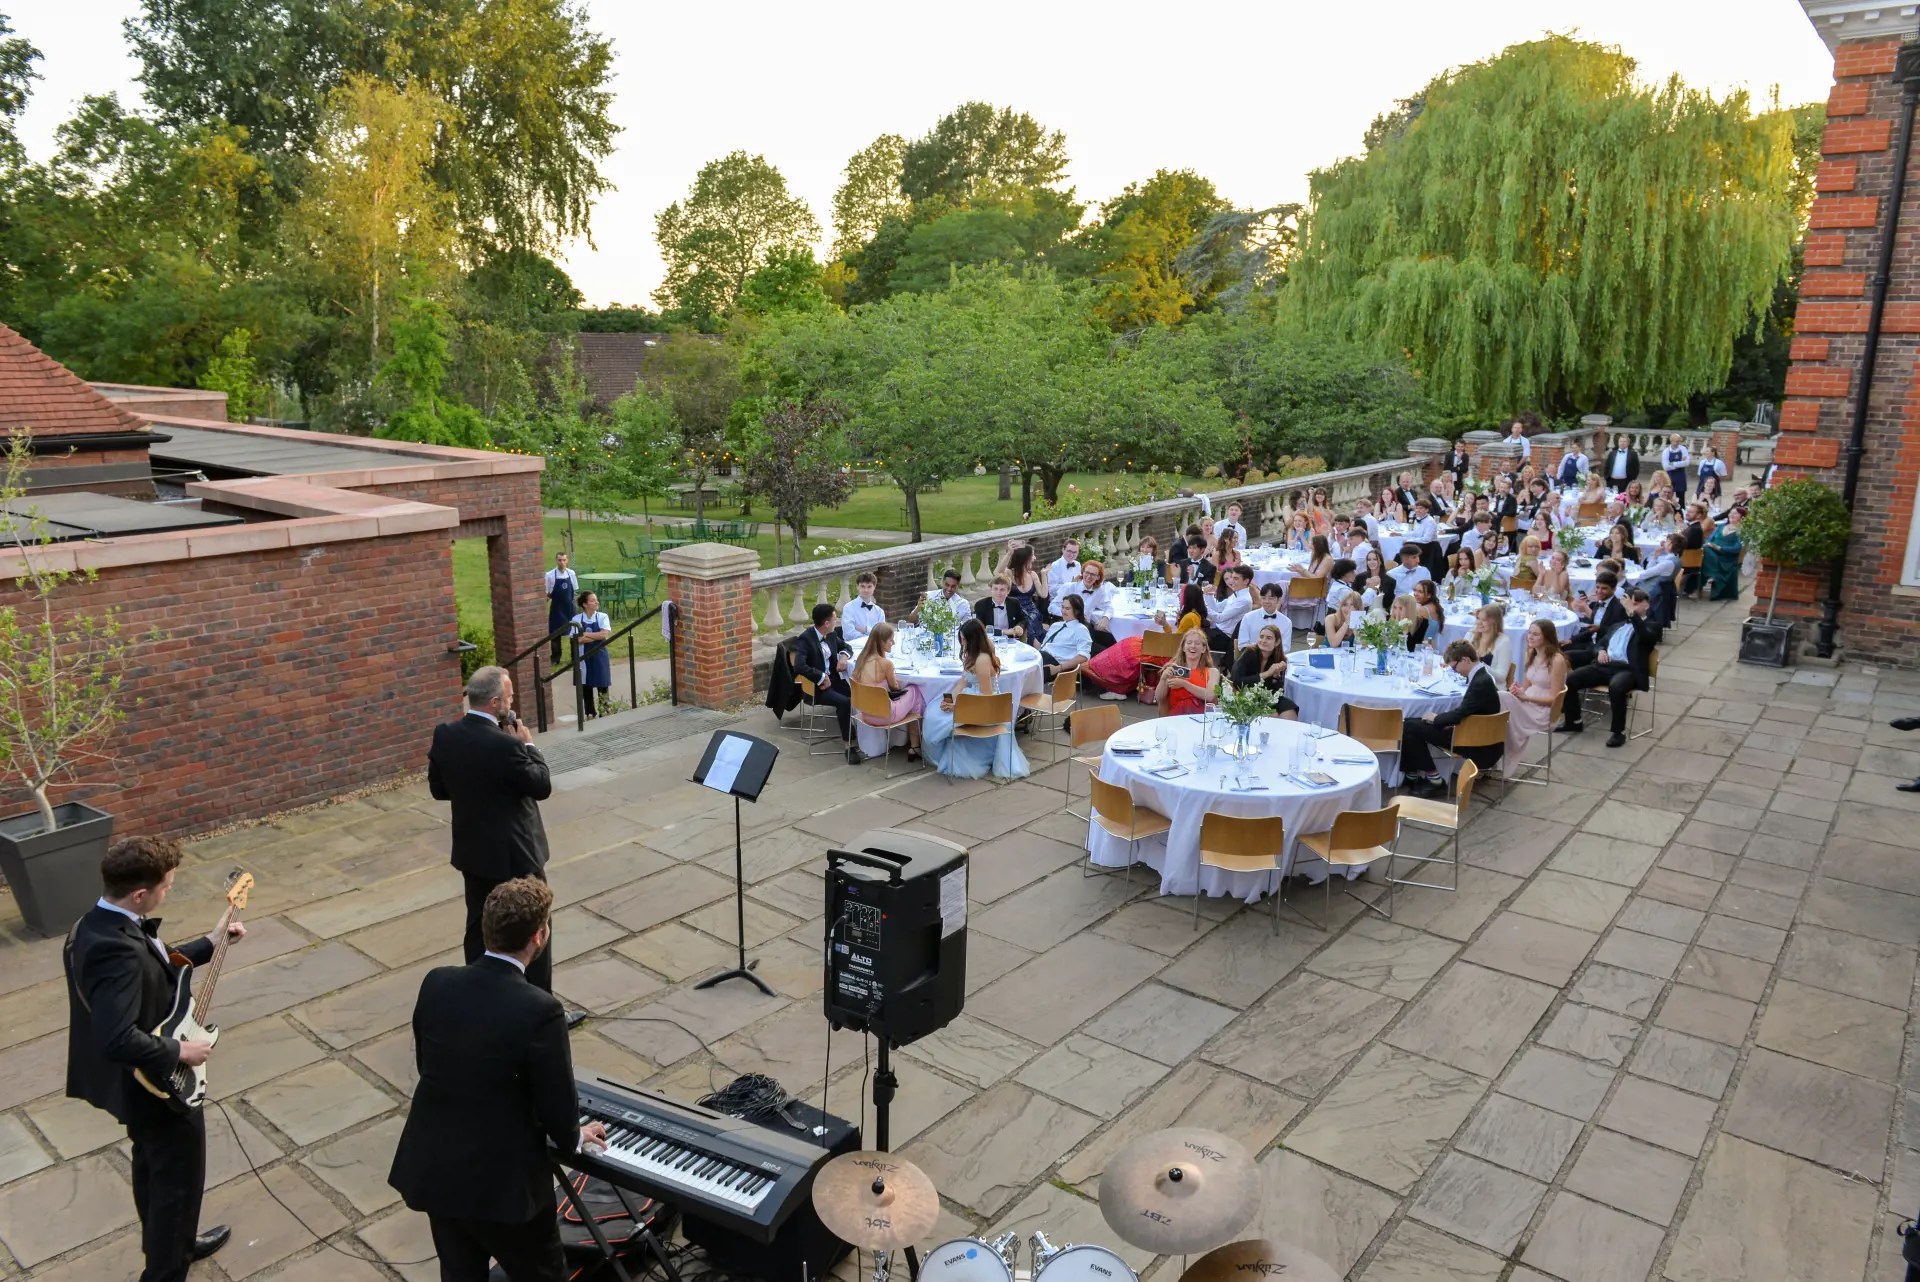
[1220, 643]
[1417, 739]
[1619, 680]
[540, 970]
[169, 1171]
[1102, 639]
[527, 1252]
[841, 703]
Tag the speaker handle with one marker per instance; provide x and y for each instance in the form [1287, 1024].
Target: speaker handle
[889, 865]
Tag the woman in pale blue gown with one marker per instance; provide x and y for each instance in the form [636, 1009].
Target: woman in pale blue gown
[959, 755]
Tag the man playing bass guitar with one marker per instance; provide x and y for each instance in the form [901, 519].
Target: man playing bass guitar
[120, 985]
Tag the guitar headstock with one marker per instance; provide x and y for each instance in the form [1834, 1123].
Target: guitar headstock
[239, 886]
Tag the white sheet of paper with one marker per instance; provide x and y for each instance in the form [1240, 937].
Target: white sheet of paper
[953, 901]
[727, 760]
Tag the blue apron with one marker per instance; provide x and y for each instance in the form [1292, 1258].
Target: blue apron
[560, 606]
[597, 671]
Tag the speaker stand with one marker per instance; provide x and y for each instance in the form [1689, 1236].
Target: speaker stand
[884, 1086]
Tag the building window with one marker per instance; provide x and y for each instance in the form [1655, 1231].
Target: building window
[1910, 568]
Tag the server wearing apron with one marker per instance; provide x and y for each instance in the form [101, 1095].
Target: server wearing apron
[563, 585]
[596, 670]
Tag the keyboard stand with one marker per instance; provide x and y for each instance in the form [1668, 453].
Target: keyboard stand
[648, 1242]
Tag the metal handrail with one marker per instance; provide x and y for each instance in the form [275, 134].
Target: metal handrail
[540, 683]
[546, 640]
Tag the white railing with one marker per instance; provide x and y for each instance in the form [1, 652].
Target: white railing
[785, 595]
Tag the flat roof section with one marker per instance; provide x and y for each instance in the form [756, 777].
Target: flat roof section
[82, 515]
[228, 454]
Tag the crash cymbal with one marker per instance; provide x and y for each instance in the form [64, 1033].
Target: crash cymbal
[1178, 1191]
[1258, 1260]
[875, 1201]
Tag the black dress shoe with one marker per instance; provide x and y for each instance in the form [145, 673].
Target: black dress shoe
[1909, 787]
[1906, 723]
[210, 1241]
[575, 1018]
[1569, 727]
[1616, 740]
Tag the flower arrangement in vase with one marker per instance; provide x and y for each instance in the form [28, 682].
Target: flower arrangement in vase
[1382, 633]
[1241, 706]
[939, 619]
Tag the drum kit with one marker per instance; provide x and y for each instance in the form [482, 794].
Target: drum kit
[1173, 1192]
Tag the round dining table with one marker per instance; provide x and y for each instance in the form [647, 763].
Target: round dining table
[1170, 774]
[1319, 692]
[1020, 674]
[1579, 577]
[1520, 616]
[1129, 616]
[1647, 541]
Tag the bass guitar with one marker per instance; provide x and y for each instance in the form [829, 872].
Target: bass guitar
[186, 1087]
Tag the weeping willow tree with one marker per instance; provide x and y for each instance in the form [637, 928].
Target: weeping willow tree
[1546, 231]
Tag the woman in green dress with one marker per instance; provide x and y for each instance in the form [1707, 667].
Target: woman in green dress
[1720, 560]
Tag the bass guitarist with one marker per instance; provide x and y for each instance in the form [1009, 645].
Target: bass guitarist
[120, 985]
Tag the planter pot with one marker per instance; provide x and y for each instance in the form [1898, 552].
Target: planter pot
[1770, 645]
[55, 875]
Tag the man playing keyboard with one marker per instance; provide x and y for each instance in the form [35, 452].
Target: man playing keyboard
[496, 1084]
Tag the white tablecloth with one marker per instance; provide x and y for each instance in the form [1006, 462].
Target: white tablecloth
[1186, 799]
[1320, 693]
[1578, 576]
[1460, 623]
[1019, 673]
[1648, 541]
[1130, 616]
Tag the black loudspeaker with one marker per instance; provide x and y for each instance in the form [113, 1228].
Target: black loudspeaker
[896, 954]
[802, 1248]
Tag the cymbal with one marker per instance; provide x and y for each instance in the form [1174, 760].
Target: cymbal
[1272, 1261]
[1180, 1190]
[875, 1201]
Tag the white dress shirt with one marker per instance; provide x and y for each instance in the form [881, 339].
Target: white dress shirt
[595, 622]
[1096, 605]
[103, 902]
[1256, 619]
[956, 601]
[514, 962]
[857, 618]
[1239, 533]
[1404, 579]
[1226, 614]
[1060, 573]
[1424, 530]
[568, 575]
[1067, 640]
[1526, 447]
[1618, 469]
[1674, 456]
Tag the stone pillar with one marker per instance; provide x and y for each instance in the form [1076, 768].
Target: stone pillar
[1602, 437]
[1494, 454]
[711, 587]
[1548, 449]
[1473, 443]
[1432, 453]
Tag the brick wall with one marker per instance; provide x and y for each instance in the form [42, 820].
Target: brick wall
[1878, 618]
[281, 677]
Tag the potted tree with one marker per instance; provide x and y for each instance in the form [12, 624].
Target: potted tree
[59, 699]
[1793, 524]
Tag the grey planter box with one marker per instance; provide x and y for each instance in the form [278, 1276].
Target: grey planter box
[1769, 645]
[55, 876]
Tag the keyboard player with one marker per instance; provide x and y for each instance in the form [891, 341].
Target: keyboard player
[496, 1083]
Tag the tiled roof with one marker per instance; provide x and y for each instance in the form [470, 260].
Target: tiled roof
[41, 396]
[611, 362]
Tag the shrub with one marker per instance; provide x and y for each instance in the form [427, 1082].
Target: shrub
[471, 661]
[1210, 474]
[1254, 476]
[1796, 523]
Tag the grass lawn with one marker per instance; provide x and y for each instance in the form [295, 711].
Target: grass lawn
[964, 505]
[593, 544]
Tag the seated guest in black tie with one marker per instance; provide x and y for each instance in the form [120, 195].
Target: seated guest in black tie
[1623, 665]
[1418, 736]
[119, 985]
[996, 611]
[1599, 614]
[496, 1086]
[823, 658]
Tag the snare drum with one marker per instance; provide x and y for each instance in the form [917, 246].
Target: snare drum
[965, 1259]
[1086, 1264]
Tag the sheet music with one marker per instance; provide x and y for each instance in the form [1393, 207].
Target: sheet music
[727, 760]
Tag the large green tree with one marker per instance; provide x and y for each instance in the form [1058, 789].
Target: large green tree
[1137, 245]
[699, 380]
[869, 194]
[526, 80]
[1548, 231]
[977, 147]
[738, 212]
[17, 56]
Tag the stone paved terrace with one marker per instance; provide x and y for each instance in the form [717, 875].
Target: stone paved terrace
[1662, 1031]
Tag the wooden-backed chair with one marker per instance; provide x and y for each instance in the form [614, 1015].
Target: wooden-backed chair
[1591, 510]
[1379, 729]
[1310, 595]
[872, 702]
[1058, 702]
[1119, 816]
[1095, 724]
[1447, 816]
[1595, 699]
[1522, 578]
[1156, 647]
[1537, 773]
[1233, 843]
[1487, 730]
[808, 691]
[982, 716]
[1357, 837]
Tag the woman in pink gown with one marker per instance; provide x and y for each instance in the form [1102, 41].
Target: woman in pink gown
[1529, 701]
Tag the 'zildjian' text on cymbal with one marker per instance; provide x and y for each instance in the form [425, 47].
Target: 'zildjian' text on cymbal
[1178, 1191]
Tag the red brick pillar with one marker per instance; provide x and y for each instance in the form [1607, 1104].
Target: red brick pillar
[1851, 186]
[711, 587]
[516, 569]
[1431, 452]
[1472, 442]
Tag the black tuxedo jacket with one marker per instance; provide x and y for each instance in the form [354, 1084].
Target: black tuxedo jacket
[496, 1083]
[1407, 498]
[1633, 466]
[1458, 463]
[1604, 621]
[983, 611]
[493, 781]
[118, 990]
[1481, 698]
[1640, 646]
[813, 656]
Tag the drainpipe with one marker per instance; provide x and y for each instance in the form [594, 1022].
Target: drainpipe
[1906, 73]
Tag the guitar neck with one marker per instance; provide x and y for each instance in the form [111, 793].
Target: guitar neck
[203, 1001]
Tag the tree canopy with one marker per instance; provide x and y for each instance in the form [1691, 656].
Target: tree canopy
[1547, 231]
[738, 212]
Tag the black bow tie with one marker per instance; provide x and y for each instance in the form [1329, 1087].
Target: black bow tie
[150, 927]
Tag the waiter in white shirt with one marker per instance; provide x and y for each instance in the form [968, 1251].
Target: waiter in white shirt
[1066, 569]
[1674, 461]
[563, 585]
[1572, 468]
[859, 615]
[1518, 435]
[1231, 599]
[1272, 595]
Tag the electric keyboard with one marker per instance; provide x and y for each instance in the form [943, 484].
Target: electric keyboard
[743, 1177]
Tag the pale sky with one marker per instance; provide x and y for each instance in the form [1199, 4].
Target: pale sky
[1252, 95]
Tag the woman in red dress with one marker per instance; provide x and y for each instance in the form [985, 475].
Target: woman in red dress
[1188, 683]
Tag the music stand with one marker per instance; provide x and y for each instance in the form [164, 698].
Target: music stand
[738, 765]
